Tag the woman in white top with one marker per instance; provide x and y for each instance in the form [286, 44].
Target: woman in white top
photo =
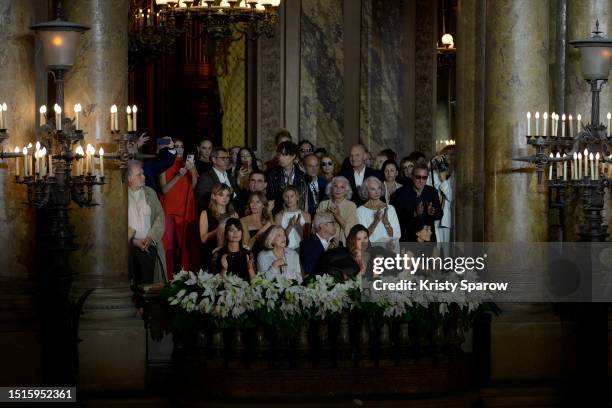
[379, 218]
[277, 259]
[295, 221]
[390, 171]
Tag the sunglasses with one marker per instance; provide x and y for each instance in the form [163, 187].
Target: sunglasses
[326, 163]
[420, 177]
[305, 150]
[223, 157]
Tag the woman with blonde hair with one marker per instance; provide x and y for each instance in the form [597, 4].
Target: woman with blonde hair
[218, 210]
[257, 220]
[277, 259]
[292, 218]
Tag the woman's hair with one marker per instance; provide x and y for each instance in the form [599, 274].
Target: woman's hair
[254, 166]
[271, 236]
[351, 239]
[418, 224]
[363, 188]
[218, 189]
[266, 215]
[231, 222]
[297, 194]
[349, 190]
[389, 163]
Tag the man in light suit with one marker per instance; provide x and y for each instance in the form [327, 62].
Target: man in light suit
[323, 239]
[359, 171]
[217, 175]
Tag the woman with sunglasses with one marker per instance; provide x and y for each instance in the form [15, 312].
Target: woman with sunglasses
[328, 167]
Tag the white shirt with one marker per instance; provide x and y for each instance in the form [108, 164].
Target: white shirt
[324, 242]
[294, 237]
[359, 176]
[365, 216]
[139, 213]
[222, 177]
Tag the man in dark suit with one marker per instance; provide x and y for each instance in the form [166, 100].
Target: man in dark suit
[217, 175]
[257, 183]
[287, 173]
[359, 171]
[323, 239]
[417, 201]
[315, 185]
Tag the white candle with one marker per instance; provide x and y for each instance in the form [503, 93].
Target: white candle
[545, 125]
[17, 151]
[528, 123]
[571, 126]
[37, 157]
[579, 166]
[558, 165]
[101, 152]
[550, 167]
[58, 117]
[3, 108]
[563, 125]
[129, 118]
[43, 115]
[575, 167]
[25, 161]
[87, 158]
[586, 163]
[609, 116]
[591, 159]
[596, 166]
[579, 118]
[564, 168]
[114, 125]
[537, 117]
[43, 165]
[77, 113]
[134, 111]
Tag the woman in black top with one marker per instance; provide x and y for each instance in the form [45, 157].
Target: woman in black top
[234, 257]
[218, 210]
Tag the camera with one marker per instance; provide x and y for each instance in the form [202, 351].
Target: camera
[440, 162]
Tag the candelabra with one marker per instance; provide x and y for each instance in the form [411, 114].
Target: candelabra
[558, 153]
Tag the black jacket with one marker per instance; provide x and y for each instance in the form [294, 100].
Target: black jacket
[406, 201]
[350, 175]
[277, 184]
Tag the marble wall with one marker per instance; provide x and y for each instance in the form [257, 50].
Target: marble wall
[382, 61]
[321, 75]
[269, 94]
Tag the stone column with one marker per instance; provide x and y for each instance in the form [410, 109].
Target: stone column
[581, 18]
[112, 354]
[470, 121]
[19, 339]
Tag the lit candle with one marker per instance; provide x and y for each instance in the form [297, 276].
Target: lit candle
[545, 125]
[129, 118]
[578, 118]
[579, 166]
[586, 163]
[591, 159]
[564, 168]
[37, 157]
[575, 167]
[528, 123]
[550, 167]
[101, 152]
[609, 116]
[77, 113]
[537, 117]
[81, 154]
[58, 117]
[596, 166]
[571, 126]
[87, 157]
[3, 116]
[114, 125]
[25, 161]
[134, 111]
[563, 125]
[43, 115]
[558, 165]
[553, 117]
[43, 164]
[17, 151]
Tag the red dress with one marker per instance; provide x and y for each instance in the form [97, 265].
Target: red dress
[181, 235]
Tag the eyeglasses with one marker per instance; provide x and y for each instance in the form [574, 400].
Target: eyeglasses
[326, 163]
[305, 150]
[222, 157]
[420, 177]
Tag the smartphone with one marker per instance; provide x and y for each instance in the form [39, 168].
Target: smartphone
[190, 157]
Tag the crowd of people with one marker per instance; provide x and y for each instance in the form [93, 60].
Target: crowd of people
[301, 213]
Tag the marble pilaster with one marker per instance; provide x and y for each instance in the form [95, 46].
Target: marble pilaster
[382, 38]
[112, 354]
[19, 338]
[321, 75]
[269, 92]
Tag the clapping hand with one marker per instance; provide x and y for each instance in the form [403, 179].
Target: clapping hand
[183, 171]
[333, 208]
[142, 139]
[224, 263]
[333, 243]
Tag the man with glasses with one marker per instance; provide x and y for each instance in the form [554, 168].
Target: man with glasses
[305, 148]
[217, 175]
[322, 240]
[417, 201]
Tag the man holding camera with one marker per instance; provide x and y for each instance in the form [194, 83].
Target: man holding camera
[441, 178]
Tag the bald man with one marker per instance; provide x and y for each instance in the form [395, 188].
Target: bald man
[315, 191]
[359, 171]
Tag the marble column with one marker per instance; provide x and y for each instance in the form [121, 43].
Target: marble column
[268, 93]
[19, 338]
[321, 75]
[581, 18]
[112, 354]
[470, 121]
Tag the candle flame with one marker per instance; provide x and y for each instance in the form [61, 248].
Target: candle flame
[563, 117]
[57, 109]
[128, 110]
[134, 109]
[101, 152]
[114, 109]
[43, 109]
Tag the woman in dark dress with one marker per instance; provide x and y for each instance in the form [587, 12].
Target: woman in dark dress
[257, 221]
[218, 210]
[233, 256]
